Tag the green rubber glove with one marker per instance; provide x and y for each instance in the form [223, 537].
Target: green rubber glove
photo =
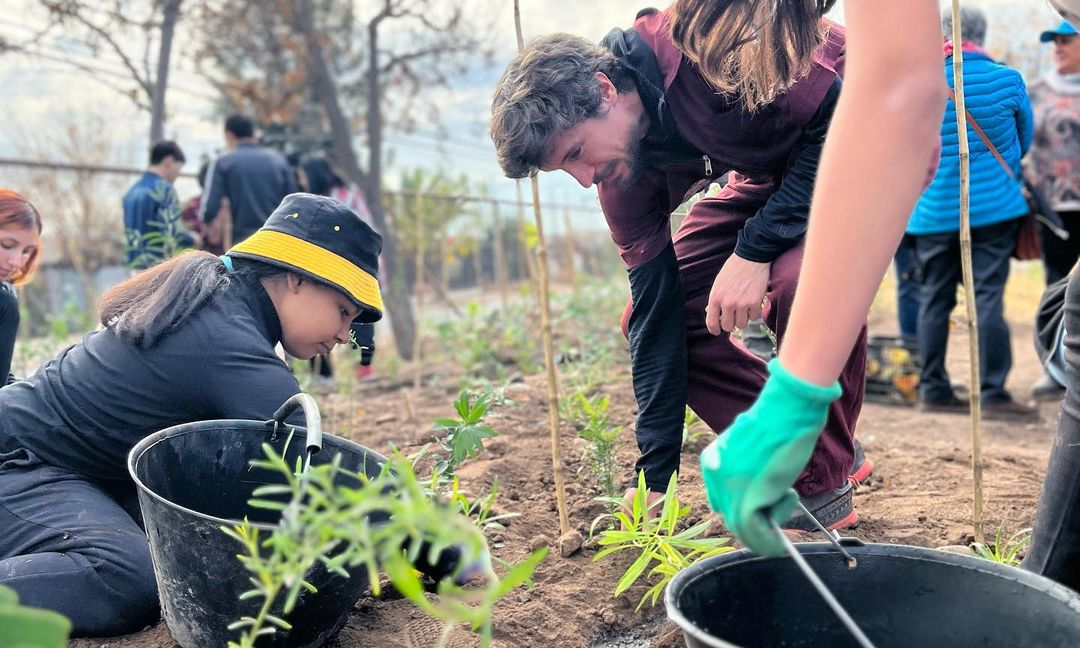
[750, 468]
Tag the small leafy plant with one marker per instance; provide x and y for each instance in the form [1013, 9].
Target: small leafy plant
[1005, 551]
[465, 435]
[662, 550]
[324, 521]
[480, 508]
[693, 428]
[594, 426]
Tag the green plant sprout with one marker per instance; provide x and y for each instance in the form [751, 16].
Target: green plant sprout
[465, 435]
[693, 428]
[478, 509]
[327, 522]
[594, 426]
[655, 538]
[1004, 551]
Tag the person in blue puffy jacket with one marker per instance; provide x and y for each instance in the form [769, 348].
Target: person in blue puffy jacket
[997, 99]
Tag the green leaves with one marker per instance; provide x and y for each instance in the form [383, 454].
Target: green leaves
[651, 531]
[589, 415]
[464, 435]
[1005, 551]
[326, 522]
[25, 627]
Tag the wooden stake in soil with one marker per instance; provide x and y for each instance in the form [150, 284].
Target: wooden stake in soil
[500, 255]
[545, 325]
[418, 283]
[523, 235]
[570, 269]
[969, 281]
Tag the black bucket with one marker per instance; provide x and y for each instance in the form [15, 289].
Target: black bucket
[900, 596]
[195, 478]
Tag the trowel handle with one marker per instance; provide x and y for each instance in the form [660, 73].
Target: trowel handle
[312, 420]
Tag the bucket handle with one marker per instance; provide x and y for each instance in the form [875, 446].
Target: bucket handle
[312, 420]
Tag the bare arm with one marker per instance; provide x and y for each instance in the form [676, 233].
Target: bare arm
[877, 156]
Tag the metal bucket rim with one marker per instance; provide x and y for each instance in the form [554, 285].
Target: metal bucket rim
[702, 569]
[140, 448]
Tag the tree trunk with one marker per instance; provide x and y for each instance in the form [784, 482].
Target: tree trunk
[394, 288]
[397, 293]
[161, 81]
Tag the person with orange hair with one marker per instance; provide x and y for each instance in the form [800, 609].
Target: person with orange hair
[20, 246]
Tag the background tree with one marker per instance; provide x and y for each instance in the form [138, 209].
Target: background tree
[138, 34]
[355, 64]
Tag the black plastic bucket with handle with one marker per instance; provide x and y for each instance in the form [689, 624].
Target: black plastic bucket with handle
[195, 478]
[900, 596]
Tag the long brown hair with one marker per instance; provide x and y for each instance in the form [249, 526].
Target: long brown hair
[17, 211]
[751, 49]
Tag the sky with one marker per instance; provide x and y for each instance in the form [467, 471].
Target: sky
[45, 96]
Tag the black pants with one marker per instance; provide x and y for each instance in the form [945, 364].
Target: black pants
[938, 256]
[908, 297]
[70, 544]
[1055, 543]
[1059, 256]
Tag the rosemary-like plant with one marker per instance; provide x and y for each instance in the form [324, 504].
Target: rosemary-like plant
[328, 519]
[662, 550]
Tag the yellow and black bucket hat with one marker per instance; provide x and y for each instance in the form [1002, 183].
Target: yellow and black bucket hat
[321, 238]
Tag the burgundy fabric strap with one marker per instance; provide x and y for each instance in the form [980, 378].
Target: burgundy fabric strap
[983, 137]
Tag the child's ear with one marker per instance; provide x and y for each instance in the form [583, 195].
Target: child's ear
[294, 281]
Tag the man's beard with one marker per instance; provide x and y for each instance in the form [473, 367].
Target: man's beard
[635, 167]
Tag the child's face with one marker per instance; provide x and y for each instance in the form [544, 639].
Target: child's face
[314, 318]
[17, 247]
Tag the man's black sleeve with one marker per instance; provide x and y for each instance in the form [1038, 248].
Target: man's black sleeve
[658, 359]
[213, 193]
[781, 223]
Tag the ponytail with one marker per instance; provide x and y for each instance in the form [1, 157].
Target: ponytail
[150, 305]
[752, 49]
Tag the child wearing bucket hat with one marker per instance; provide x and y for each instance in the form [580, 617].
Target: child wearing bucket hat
[191, 339]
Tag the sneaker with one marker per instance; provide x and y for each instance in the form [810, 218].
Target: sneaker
[951, 405]
[1047, 389]
[1010, 410]
[365, 372]
[834, 509]
[862, 468]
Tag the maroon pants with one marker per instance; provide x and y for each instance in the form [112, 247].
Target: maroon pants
[724, 379]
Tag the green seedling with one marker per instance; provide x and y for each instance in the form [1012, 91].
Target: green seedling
[26, 627]
[1004, 551]
[662, 550]
[595, 428]
[480, 508]
[465, 435]
[693, 428]
[329, 523]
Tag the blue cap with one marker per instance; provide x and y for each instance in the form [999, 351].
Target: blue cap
[1064, 29]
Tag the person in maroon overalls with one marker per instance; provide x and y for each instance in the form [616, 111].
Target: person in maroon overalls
[635, 117]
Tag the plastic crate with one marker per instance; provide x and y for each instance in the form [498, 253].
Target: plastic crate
[892, 370]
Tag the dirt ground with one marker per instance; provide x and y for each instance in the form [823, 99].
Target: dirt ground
[921, 495]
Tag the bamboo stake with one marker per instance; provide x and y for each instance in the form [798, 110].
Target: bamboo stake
[500, 255]
[569, 239]
[545, 325]
[477, 251]
[526, 253]
[419, 282]
[969, 281]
